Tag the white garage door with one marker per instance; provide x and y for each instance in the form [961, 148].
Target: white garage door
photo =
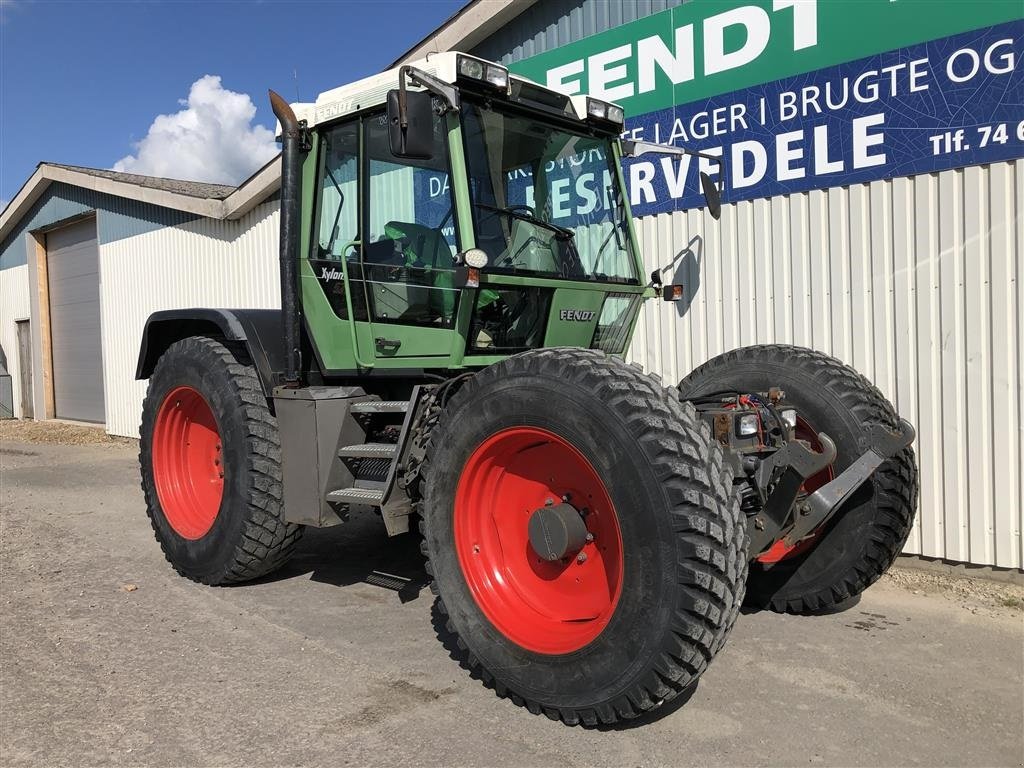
[72, 260]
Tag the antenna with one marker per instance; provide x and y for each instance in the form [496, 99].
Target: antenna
[295, 75]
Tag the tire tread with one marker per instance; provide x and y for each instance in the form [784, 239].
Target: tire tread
[895, 482]
[706, 520]
[268, 541]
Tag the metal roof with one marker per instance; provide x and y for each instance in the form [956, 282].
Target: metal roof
[178, 186]
[216, 201]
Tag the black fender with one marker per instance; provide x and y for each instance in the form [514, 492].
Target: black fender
[259, 329]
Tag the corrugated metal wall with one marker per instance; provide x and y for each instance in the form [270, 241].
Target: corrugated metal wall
[549, 24]
[916, 283]
[14, 305]
[200, 263]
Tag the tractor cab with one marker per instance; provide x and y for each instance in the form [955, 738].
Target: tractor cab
[454, 214]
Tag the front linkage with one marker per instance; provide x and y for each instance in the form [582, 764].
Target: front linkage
[772, 465]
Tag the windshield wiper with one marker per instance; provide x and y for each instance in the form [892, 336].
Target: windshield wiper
[564, 232]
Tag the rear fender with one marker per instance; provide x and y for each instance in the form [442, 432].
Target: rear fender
[259, 329]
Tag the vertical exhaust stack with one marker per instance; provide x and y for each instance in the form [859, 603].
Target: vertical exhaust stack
[291, 196]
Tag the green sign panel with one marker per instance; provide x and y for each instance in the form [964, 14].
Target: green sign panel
[708, 47]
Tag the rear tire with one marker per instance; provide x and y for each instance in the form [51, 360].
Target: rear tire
[205, 415]
[681, 537]
[863, 538]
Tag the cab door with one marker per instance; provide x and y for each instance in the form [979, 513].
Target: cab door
[408, 248]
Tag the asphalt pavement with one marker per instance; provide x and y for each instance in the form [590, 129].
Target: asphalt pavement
[108, 657]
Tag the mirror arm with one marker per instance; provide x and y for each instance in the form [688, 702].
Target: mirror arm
[636, 148]
[448, 93]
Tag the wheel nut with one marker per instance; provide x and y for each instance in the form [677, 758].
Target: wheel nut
[581, 557]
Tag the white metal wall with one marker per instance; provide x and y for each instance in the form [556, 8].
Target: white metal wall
[915, 282]
[202, 263]
[14, 305]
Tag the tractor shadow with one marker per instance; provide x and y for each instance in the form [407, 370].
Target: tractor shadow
[685, 269]
[840, 607]
[358, 552]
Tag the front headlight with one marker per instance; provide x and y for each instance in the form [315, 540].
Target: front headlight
[747, 424]
[602, 110]
[484, 72]
[471, 68]
[497, 76]
[789, 416]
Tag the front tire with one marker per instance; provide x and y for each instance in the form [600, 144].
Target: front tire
[211, 465]
[636, 619]
[859, 543]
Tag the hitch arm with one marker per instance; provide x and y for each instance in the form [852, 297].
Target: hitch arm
[798, 463]
[884, 443]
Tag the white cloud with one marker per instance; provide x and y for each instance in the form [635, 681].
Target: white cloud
[211, 139]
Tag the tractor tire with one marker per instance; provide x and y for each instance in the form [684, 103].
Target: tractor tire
[211, 465]
[630, 620]
[859, 543]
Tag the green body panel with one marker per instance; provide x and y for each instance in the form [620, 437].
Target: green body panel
[346, 347]
[573, 329]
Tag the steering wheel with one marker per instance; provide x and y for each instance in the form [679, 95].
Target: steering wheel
[494, 210]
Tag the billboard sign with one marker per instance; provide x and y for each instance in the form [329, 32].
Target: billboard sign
[804, 94]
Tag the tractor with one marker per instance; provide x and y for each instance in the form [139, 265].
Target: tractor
[460, 280]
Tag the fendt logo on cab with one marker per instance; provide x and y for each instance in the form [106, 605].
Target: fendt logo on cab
[576, 315]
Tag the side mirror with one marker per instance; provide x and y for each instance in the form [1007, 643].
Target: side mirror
[712, 195]
[411, 125]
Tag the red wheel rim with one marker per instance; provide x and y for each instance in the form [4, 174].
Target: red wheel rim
[188, 466]
[779, 550]
[546, 607]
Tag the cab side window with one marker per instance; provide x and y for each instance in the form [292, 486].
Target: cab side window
[336, 235]
[339, 200]
[410, 243]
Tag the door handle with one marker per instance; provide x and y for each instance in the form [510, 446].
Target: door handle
[387, 345]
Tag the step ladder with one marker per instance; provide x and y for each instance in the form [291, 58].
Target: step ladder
[374, 464]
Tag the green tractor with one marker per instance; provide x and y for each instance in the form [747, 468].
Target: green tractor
[460, 278]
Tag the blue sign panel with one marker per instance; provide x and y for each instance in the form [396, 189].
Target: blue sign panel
[949, 103]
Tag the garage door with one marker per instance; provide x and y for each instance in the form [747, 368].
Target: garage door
[72, 261]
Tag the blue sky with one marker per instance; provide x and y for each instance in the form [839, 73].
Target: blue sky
[82, 82]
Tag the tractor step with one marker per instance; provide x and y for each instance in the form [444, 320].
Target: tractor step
[371, 497]
[388, 580]
[368, 451]
[381, 406]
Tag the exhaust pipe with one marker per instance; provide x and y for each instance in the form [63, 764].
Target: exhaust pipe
[291, 195]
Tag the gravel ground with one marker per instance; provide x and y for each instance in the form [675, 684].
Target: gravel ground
[107, 657]
[976, 595]
[57, 433]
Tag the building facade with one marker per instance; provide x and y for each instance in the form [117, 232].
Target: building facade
[87, 255]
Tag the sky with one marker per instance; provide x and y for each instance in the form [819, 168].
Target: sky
[178, 88]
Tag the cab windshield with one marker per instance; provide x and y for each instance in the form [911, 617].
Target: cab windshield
[546, 201]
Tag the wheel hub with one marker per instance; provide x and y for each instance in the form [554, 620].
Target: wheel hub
[188, 462]
[545, 578]
[557, 531]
